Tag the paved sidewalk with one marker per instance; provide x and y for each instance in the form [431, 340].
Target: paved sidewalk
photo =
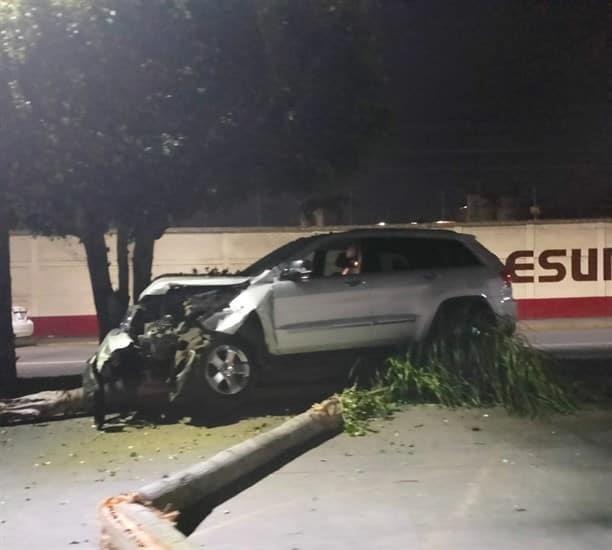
[434, 479]
[66, 340]
[571, 338]
[583, 323]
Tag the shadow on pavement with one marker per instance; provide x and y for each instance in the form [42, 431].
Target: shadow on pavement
[284, 400]
[266, 401]
[190, 518]
[589, 379]
[284, 390]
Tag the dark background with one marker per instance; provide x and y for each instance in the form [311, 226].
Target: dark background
[497, 98]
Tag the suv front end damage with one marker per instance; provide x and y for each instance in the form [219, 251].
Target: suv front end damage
[161, 339]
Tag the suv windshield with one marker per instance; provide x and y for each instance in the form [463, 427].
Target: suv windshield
[285, 252]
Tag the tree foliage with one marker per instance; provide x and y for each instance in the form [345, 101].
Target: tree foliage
[136, 113]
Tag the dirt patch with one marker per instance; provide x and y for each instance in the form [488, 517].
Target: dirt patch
[68, 444]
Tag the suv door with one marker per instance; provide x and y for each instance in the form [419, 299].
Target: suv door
[400, 282]
[408, 277]
[328, 310]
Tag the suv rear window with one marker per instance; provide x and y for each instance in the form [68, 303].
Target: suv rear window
[390, 254]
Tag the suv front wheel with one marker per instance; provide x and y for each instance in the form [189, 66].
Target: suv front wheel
[214, 374]
[227, 368]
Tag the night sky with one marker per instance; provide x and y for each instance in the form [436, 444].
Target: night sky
[494, 97]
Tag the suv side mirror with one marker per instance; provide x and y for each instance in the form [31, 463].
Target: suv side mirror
[297, 270]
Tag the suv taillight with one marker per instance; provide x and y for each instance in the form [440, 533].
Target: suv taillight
[506, 275]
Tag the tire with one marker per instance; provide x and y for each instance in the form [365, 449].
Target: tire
[482, 319]
[227, 368]
[461, 318]
[219, 377]
[458, 325]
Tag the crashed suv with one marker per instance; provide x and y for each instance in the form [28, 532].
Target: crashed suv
[208, 337]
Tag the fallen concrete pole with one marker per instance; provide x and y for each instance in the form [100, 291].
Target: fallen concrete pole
[129, 527]
[190, 486]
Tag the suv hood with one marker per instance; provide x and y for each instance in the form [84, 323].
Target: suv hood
[163, 284]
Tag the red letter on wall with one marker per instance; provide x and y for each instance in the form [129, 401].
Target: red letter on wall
[591, 274]
[545, 263]
[607, 261]
[513, 266]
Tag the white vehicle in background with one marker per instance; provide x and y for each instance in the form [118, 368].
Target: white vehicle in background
[23, 326]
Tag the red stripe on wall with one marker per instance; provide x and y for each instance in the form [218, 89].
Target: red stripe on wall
[565, 308]
[66, 325]
[533, 308]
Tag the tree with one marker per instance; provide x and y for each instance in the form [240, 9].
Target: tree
[93, 110]
[325, 87]
[8, 371]
[122, 129]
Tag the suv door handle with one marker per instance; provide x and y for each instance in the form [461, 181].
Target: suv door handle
[354, 282]
[430, 275]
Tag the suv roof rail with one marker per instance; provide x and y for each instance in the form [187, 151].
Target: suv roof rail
[391, 230]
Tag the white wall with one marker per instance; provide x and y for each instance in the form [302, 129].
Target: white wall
[50, 275]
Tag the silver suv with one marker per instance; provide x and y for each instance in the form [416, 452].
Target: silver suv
[210, 335]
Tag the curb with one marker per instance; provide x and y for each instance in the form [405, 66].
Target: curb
[546, 325]
[141, 519]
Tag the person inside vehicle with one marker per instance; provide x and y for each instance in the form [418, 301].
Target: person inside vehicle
[352, 264]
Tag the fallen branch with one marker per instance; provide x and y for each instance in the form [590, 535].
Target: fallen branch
[46, 405]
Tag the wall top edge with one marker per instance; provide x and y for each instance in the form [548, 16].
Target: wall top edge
[327, 228]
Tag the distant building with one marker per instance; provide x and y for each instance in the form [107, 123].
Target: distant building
[483, 208]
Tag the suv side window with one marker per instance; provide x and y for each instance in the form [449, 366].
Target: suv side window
[453, 253]
[331, 260]
[392, 254]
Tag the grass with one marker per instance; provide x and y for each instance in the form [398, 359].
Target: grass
[469, 369]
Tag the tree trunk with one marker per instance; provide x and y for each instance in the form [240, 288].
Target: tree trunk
[142, 262]
[97, 264]
[123, 272]
[8, 369]
[46, 405]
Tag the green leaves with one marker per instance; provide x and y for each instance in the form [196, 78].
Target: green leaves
[359, 406]
[483, 369]
[477, 370]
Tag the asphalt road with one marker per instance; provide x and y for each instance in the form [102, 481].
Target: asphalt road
[54, 358]
[574, 344]
[66, 357]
